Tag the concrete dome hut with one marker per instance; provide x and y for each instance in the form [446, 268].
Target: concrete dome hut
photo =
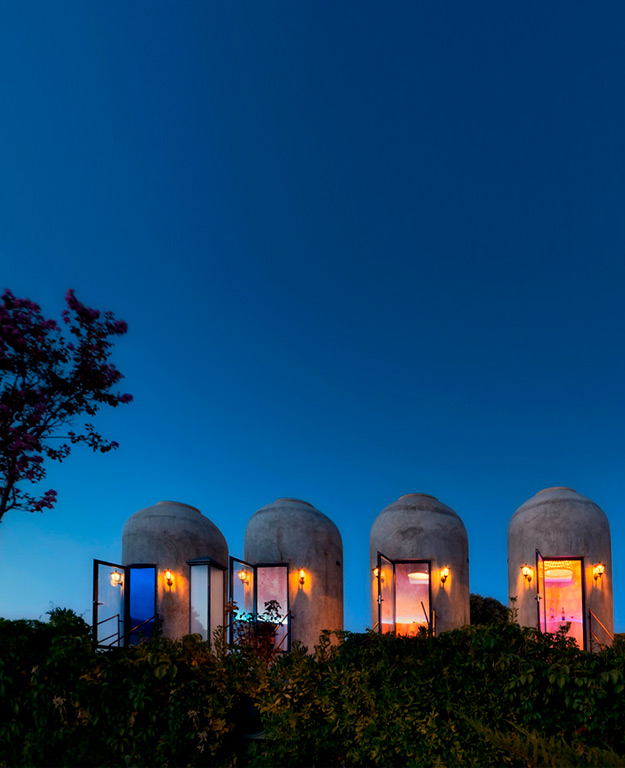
[309, 548]
[560, 566]
[189, 551]
[419, 560]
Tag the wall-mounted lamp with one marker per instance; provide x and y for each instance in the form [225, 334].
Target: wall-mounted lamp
[376, 572]
[244, 576]
[527, 572]
[169, 578]
[116, 579]
[444, 574]
[302, 575]
[598, 571]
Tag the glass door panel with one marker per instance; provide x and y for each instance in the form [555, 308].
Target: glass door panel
[109, 585]
[412, 597]
[540, 592]
[386, 595]
[564, 602]
[199, 589]
[217, 600]
[272, 600]
[242, 596]
[141, 602]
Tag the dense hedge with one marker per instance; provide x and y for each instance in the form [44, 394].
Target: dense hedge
[480, 696]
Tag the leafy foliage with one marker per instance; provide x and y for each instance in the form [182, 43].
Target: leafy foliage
[494, 695]
[487, 610]
[47, 380]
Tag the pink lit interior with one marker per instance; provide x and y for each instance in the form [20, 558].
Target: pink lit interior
[563, 598]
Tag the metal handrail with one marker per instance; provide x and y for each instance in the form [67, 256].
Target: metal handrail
[591, 615]
[114, 634]
[288, 634]
[134, 629]
[598, 620]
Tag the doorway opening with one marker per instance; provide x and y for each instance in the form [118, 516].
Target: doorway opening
[561, 596]
[404, 596]
[259, 597]
[124, 603]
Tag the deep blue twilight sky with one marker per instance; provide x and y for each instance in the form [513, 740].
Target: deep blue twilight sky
[363, 250]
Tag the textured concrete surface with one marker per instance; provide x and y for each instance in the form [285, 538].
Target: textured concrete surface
[294, 532]
[169, 534]
[560, 522]
[419, 527]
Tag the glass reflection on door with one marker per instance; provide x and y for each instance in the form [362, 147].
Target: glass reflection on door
[386, 594]
[109, 591]
[272, 592]
[242, 583]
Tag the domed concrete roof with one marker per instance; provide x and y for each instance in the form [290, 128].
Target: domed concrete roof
[561, 517]
[171, 525]
[287, 525]
[415, 523]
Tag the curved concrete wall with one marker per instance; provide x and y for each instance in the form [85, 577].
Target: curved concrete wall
[294, 532]
[419, 527]
[560, 523]
[169, 534]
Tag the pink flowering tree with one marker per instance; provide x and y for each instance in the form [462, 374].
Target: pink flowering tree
[50, 379]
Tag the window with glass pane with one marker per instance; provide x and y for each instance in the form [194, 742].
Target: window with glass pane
[564, 597]
[412, 597]
[199, 589]
[206, 597]
[272, 601]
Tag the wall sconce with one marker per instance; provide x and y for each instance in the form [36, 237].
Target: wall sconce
[302, 575]
[598, 571]
[116, 579]
[169, 578]
[527, 572]
[376, 573]
[244, 576]
[444, 574]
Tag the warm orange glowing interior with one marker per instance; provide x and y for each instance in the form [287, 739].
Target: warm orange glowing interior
[412, 597]
[563, 598]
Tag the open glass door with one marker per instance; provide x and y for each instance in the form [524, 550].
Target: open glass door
[141, 603]
[242, 589]
[109, 589]
[386, 594]
[541, 621]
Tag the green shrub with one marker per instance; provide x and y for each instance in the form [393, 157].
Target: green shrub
[493, 695]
